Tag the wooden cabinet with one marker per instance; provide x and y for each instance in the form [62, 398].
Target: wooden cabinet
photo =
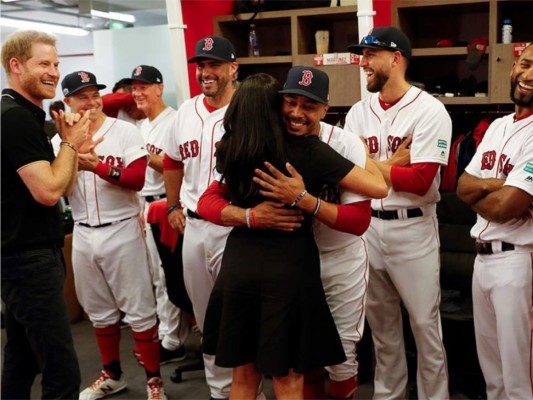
[287, 38]
[444, 69]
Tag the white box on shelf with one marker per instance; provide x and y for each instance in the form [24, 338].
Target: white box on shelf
[335, 59]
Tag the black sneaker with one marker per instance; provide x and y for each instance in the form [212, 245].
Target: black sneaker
[169, 356]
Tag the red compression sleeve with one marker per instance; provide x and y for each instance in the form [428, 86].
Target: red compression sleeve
[213, 201]
[113, 102]
[415, 179]
[170, 164]
[353, 218]
[130, 177]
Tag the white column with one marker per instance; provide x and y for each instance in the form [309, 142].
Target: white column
[365, 22]
[178, 53]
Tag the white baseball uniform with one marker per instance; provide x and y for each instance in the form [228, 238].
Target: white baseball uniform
[109, 253]
[502, 281]
[404, 252]
[192, 141]
[343, 258]
[173, 324]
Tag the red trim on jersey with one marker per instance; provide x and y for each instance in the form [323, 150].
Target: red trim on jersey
[131, 177]
[405, 105]
[169, 164]
[386, 105]
[212, 202]
[330, 134]
[199, 114]
[209, 107]
[416, 179]
[213, 150]
[529, 114]
[353, 218]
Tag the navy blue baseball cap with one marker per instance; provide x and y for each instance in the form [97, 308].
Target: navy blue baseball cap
[384, 38]
[215, 48]
[309, 82]
[78, 80]
[145, 73]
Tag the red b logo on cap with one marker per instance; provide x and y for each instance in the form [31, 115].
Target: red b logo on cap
[208, 44]
[307, 78]
[85, 78]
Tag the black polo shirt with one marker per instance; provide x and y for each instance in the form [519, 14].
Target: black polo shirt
[26, 224]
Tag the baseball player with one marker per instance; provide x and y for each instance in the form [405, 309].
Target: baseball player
[120, 103]
[342, 218]
[147, 89]
[109, 255]
[498, 184]
[189, 163]
[403, 238]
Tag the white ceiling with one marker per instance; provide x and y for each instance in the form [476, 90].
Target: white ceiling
[77, 12]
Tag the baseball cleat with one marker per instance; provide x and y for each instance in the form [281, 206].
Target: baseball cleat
[103, 386]
[155, 389]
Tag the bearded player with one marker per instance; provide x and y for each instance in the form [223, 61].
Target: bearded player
[498, 184]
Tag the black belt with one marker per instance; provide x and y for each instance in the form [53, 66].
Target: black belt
[155, 197]
[486, 247]
[396, 214]
[103, 225]
[192, 214]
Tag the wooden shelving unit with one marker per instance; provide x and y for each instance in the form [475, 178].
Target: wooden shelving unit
[461, 21]
[287, 38]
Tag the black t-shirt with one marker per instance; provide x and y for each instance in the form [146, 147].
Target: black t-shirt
[25, 222]
[317, 162]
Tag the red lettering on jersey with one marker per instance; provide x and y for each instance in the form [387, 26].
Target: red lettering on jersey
[488, 160]
[373, 144]
[189, 149]
[208, 44]
[154, 150]
[195, 148]
[307, 78]
[111, 160]
[394, 142]
[184, 150]
[504, 165]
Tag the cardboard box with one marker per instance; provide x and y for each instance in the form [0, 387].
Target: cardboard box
[335, 59]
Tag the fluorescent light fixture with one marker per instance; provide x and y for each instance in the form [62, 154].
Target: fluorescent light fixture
[27, 24]
[114, 16]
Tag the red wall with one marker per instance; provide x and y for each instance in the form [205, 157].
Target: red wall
[198, 16]
[383, 12]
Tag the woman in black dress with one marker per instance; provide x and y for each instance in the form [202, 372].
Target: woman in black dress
[267, 313]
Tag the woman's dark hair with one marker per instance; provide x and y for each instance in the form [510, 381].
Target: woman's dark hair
[254, 133]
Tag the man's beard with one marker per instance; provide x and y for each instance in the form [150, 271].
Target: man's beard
[522, 101]
[380, 79]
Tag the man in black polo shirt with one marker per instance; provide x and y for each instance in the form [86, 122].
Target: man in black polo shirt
[39, 339]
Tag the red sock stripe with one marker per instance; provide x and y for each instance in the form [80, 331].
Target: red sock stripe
[148, 346]
[108, 340]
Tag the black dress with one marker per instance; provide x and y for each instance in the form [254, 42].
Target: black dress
[268, 304]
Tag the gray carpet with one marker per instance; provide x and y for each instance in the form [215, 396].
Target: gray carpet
[193, 385]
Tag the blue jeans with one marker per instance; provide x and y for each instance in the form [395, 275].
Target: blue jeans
[39, 339]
